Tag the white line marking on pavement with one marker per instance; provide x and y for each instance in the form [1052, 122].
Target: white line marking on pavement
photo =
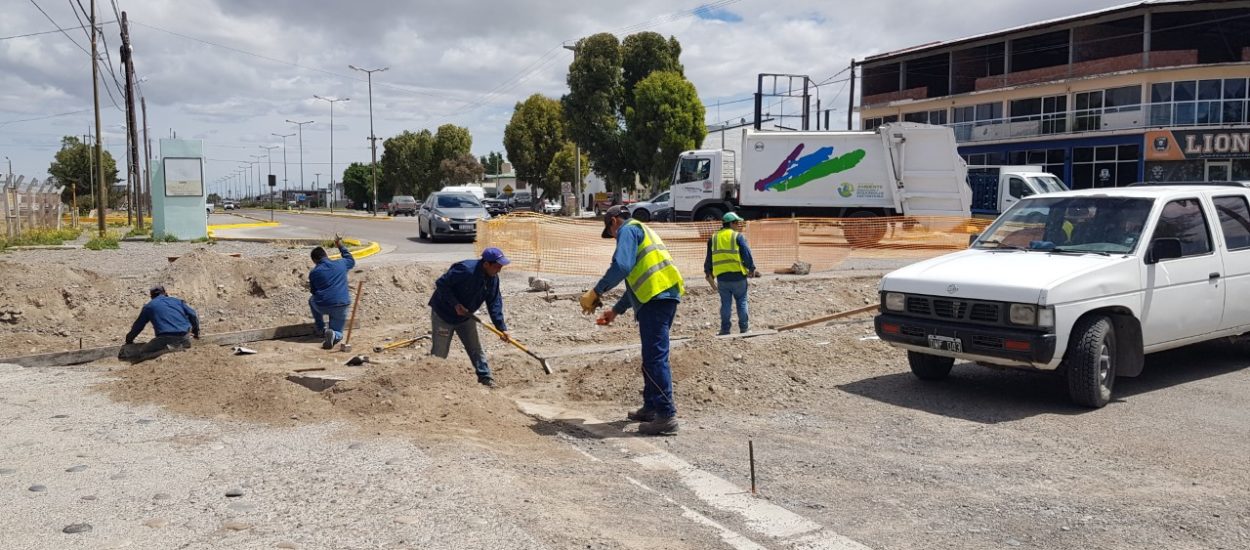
[731, 537]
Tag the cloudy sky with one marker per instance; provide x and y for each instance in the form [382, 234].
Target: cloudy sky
[231, 72]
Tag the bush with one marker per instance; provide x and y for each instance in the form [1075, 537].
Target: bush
[136, 232]
[101, 243]
[42, 237]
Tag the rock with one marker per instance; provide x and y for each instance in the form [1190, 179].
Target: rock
[355, 446]
[76, 528]
[88, 497]
[539, 284]
[161, 496]
[144, 421]
[235, 525]
[393, 462]
[61, 416]
[737, 357]
[801, 268]
[156, 523]
[407, 520]
[77, 468]
[287, 545]
[37, 488]
[235, 492]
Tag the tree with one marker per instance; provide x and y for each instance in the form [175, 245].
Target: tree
[451, 141]
[667, 118]
[492, 162]
[532, 138]
[564, 165]
[214, 198]
[358, 187]
[461, 170]
[74, 167]
[645, 53]
[593, 106]
[408, 165]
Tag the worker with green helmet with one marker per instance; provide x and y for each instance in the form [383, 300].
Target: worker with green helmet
[727, 265]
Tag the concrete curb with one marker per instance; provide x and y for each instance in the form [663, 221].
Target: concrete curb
[351, 216]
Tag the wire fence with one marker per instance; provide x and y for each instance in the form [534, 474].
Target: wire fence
[28, 206]
[546, 244]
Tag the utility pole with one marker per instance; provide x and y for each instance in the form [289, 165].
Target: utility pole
[318, 184]
[102, 196]
[577, 153]
[132, 131]
[285, 188]
[300, 125]
[373, 140]
[147, 156]
[332, 101]
[850, 102]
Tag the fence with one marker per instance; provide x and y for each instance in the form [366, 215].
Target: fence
[546, 244]
[30, 206]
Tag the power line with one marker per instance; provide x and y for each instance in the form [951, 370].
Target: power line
[44, 117]
[40, 33]
[58, 27]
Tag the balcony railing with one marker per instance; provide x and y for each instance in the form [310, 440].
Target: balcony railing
[1128, 117]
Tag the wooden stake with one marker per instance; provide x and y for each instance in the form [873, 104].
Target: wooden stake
[360, 285]
[751, 453]
[838, 315]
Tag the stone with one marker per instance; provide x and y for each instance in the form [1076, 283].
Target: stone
[355, 446]
[286, 545]
[38, 488]
[156, 523]
[61, 416]
[77, 468]
[235, 525]
[393, 462]
[407, 520]
[144, 421]
[74, 528]
[88, 497]
[235, 492]
[161, 496]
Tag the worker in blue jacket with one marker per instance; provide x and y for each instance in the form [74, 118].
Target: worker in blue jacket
[459, 293]
[726, 266]
[172, 319]
[328, 283]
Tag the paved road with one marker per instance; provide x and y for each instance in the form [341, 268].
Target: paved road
[397, 236]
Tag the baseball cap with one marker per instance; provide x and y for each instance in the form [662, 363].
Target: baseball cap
[614, 212]
[493, 254]
[731, 217]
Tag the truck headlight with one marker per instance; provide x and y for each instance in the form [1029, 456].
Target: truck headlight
[895, 301]
[1023, 314]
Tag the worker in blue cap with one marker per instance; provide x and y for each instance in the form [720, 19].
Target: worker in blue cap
[173, 321]
[459, 293]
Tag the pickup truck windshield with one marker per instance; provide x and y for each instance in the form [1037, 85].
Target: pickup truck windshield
[1049, 185]
[1071, 225]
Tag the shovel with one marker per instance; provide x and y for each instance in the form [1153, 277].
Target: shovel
[511, 340]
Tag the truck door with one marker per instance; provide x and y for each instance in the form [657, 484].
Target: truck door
[693, 182]
[1184, 297]
[1014, 190]
[1233, 212]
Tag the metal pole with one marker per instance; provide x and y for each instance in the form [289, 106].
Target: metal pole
[373, 140]
[102, 195]
[850, 101]
[332, 101]
[300, 126]
[285, 186]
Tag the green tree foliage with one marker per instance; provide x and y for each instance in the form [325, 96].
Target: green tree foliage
[564, 165]
[532, 138]
[593, 107]
[359, 188]
[461, 170]
[451, 141]
[645, 53]
[492, 162]
[73, 165]
[214, 198]
[667, 118]
[408, 164]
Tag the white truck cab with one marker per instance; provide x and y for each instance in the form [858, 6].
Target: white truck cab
[995, 189]
[1082, 282]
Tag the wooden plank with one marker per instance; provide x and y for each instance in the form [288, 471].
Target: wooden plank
[80, 356]
[674, 342]
[837, 315]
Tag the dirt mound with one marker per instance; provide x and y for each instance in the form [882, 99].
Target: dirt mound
[208, 279]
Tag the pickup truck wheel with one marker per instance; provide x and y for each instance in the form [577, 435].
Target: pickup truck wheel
[929, 367]
[642, 215]
[709, 214]
[1091, 362]
[863, 231]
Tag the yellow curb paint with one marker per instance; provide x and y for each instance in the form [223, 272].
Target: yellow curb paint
[361, 253]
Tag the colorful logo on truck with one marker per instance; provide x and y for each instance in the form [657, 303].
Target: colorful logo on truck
[796, 171]
[846, 190]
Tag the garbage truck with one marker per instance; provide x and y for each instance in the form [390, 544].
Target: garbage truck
[899, 169]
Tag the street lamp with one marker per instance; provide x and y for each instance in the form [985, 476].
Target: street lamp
[285, 188]
[373, 140]
[317, 186]
[269, 159]
[332, 101]
[300, 125]
[577, 154]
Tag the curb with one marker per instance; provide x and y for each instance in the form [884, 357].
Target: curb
[350, 216]
[362, 249]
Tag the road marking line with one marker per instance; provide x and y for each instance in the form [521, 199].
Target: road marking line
[731, 537]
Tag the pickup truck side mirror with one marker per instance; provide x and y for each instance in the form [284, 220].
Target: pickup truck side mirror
[1165, 248]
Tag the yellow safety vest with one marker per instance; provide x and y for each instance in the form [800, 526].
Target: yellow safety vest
[726, 256]
[654, 271]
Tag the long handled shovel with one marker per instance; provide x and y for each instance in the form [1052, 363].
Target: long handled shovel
[511, 340]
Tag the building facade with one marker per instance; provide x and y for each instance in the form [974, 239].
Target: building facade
[1147, 91]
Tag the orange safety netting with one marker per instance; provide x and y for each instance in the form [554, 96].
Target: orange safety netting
[548, 244]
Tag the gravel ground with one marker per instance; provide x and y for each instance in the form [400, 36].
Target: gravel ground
[135, 258]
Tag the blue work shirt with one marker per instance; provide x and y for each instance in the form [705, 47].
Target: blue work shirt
[628, 238]
[743, 250]
[169, 317]
[328, 280]
[467, 284]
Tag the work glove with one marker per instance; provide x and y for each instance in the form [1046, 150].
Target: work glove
[711, 281]
[590, 302]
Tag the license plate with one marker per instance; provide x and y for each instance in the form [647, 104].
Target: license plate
[465, 227]
[945, 343]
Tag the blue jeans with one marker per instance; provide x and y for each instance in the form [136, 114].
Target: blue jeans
[655, 318]
[733, 292]
[440, 342]
[338, 317]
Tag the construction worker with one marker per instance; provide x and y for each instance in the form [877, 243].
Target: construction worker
[330, 298]
[726, 267]
[171, 320]
[459, 293]
[653, 288]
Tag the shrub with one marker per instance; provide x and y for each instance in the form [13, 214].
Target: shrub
[101, 243]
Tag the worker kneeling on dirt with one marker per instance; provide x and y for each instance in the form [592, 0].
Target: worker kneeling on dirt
[328, 283]
[171, 319]
[726, 266]
[653, 288]
[459, 293]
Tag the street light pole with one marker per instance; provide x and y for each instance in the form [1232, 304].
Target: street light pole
[577, 153]
[285, 187]
[268, 159]
[373, 140]
[332, 101]
[300, 125]
[317, 186]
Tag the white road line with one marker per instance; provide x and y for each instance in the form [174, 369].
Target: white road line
[731, 537]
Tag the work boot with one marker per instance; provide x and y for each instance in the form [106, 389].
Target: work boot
[488, 382]
[662, 425]
[327, 340]
[643, 414]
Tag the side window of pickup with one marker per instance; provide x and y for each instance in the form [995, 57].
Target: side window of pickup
[1183, 219]
[1234, 215]
[1018, 189]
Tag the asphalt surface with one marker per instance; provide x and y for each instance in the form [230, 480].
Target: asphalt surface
[398, 236]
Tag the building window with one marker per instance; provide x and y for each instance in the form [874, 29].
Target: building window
[1049, 112]
[1105, 166]
[1051, 160]
[1200, 102]
[875, 122]
[936, 118]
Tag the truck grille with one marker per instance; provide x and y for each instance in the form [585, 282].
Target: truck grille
[955, 310]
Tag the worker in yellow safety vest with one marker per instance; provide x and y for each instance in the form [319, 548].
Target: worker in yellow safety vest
[726, 267]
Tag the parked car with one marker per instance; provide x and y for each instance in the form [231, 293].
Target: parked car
[521, 200]
[450, 215]
[1084, 283]
[403, 204]
[552, 207]
[643, 211]
[603, 205]
[229, 205]
[496, 207]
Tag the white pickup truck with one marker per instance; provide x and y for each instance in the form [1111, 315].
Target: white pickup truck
[1081, 282]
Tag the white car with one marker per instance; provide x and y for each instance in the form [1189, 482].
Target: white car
[644, 211]
[552, 207]
[1081, 282]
